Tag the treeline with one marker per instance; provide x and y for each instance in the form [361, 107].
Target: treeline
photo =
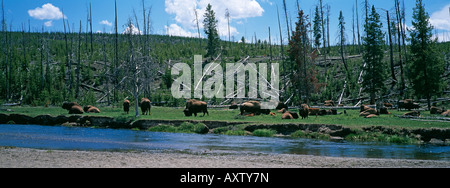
[40, 69]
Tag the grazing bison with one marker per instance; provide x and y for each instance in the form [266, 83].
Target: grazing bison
[304, 113]
[194, 106]
[253, 107]
[73, 107]
[126, 106]
[91, 109]
[146, 106]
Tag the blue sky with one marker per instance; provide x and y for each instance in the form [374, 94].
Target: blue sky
[177, 16]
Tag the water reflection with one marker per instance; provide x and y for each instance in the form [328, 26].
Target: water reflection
[76, 138]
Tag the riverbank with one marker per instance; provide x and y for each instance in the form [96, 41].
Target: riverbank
[401, 135]
[34, 158]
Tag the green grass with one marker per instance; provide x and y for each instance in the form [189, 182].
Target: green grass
[198, 128]
[351, 120]
[264, 132]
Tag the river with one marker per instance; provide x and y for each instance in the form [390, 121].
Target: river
[96, 139]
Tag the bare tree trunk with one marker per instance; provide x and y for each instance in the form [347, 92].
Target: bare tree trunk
[391, 51]
[287, 20]
[198, 26]
[357, 28]
[116, 54]
[77, 89]
[282, 54]
[90, 21]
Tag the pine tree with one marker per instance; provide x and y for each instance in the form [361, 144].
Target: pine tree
[426, 67]
[304, 76]
[373, 53]
[317, 28]
[210, 25]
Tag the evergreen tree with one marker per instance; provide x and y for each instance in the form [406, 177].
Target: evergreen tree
[304, 76]
[210, 25]
[375, 69]
[426, 68]
[317, 25]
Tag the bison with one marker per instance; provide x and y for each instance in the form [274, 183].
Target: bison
[407, 104]
[126, 106]
[91, 109]
[304, 113]
[314, 111]
[146, 106]
[194, 106]
[329, 103]
[73, 107]
[253, 107]
[287, 115]
[281, 106]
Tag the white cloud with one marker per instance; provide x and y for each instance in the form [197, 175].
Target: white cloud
[239, 9]
[441, 19]
[176, 30]
[46, 12]
[133, 30]
[106, 22]
[48, 24]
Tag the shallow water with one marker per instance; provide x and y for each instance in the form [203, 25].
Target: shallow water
[78, 138]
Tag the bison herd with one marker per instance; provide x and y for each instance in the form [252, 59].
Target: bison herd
[254, 108]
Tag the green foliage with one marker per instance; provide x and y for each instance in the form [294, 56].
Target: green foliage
[264, 132]
[185, 127]
[210, 25]
[426, 68]
[375, 70]
[317, 28]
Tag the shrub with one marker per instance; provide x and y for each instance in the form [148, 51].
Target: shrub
[264, 132]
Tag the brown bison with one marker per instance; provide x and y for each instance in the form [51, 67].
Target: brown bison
[126, 106]
[436, 110]
[314, 111]
[446, 113]
[329, 103]
[91, 109]
[146, 106]
[73, 107]
[194, 106]
[287, 115]
[292, 115]
[253, 107]
[388, 105]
